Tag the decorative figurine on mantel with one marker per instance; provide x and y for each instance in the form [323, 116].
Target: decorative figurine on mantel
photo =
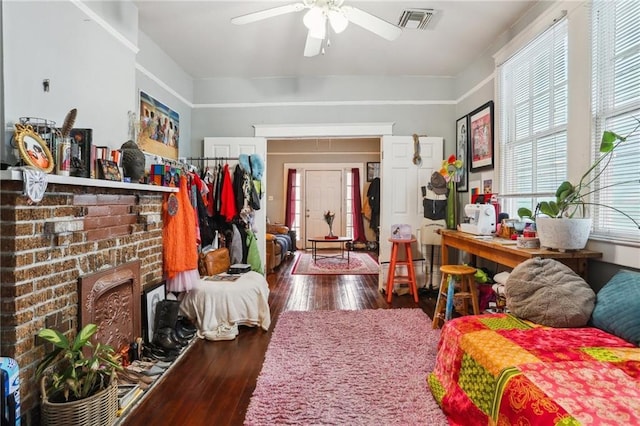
[133, 161]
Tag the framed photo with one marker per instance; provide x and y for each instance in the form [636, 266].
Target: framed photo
[373, 171]
[150, 297]
[481, 137]
[109, 170]
[159, 128]
[81, 152]
[462, 138]
[33, 149]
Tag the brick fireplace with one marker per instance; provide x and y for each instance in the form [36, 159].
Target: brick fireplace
[50, 251]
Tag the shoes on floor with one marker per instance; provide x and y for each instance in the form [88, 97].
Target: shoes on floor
[226, 332]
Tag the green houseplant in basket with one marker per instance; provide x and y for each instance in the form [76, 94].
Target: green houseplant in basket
[80, 387]
[564, 223]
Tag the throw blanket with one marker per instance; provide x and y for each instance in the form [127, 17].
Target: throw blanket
[220, 306]
[497, 369]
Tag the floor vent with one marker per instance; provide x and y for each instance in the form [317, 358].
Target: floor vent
[415, 18]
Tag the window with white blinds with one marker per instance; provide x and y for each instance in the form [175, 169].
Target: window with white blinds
[616, 107]
[532, 102]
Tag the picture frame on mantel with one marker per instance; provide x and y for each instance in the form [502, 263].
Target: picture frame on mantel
[462, 144]
[481, 138]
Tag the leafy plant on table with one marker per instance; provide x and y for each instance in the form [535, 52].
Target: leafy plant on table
[572, 198]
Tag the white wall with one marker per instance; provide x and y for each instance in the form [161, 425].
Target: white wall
[96, 61]
[87, 67]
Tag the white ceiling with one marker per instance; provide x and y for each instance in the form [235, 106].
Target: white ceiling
[200, 38]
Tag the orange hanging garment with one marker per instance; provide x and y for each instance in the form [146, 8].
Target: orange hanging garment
[180, 251]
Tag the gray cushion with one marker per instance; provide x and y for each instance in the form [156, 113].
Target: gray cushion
[548, 292]
[617, 308]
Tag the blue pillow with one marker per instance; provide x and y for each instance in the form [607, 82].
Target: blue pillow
[617, 309]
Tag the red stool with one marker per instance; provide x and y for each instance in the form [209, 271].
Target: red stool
[411, 277]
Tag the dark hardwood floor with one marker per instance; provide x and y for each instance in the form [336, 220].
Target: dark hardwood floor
[212, 383]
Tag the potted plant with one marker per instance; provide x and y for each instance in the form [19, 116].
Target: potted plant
[82, 387]
[563, 224]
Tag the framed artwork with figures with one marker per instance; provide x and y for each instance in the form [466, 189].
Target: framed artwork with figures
[481, 138]
[462, 142]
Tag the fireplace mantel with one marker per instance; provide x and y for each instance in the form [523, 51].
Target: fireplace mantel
[16, 175]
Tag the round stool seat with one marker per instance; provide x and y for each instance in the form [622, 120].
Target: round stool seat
[467, 292]
[457, 269]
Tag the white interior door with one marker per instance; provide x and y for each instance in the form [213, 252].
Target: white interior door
[232, 148]
[322, 192]
[400, 182]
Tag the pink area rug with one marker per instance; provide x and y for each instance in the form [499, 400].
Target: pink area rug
[359, 264]
[348, 368]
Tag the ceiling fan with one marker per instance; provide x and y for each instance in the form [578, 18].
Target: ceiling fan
[322, 14]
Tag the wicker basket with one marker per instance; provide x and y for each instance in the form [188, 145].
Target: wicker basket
[97, 410]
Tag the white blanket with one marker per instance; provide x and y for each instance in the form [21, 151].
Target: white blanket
[218, 307]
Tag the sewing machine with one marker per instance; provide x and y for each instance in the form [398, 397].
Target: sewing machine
[481, 219]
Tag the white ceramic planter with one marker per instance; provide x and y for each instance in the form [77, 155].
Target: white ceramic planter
[563, 234]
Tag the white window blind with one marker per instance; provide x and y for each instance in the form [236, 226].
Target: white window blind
[616, 106]
[532, 103]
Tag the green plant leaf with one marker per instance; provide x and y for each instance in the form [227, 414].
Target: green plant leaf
[609, 139]
[55, 337]
[549, 208]
[83, 337]
[565, 189]
[523, 211]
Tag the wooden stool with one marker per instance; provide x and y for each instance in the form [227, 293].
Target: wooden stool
[411, 277]
[468, 290]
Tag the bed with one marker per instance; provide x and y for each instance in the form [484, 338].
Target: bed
[500, 370]
[218, 306]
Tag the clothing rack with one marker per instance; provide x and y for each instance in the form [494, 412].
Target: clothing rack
[210, 158]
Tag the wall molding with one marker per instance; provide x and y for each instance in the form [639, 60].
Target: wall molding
[322, 130]
[322, 103]
[105, 25]
[162, 84]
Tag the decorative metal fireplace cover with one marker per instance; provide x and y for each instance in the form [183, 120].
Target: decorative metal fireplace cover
[111, 299]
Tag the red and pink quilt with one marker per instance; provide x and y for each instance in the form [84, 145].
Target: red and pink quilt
[499, 370]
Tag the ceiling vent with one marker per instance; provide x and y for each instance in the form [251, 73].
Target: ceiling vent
[416, 18]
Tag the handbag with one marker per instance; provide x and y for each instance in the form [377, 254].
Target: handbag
[434, 209]
[214, 262]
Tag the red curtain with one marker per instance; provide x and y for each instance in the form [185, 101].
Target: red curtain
[290, 205]
[356, 208]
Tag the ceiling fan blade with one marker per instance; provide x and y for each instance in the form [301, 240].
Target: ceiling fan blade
[313, 45]
[372, 23]
[268, 13]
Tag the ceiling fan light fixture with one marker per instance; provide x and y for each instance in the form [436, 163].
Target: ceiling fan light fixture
[338, 21]
[314, 18]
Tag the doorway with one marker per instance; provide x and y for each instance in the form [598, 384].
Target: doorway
[323, 191]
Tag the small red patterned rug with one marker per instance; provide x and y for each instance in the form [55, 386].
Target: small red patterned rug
[359, 264]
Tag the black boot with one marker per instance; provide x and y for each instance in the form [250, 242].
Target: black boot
[165, 322]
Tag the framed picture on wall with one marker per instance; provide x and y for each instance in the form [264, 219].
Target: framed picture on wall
[150, 297]
[481, 137]
[373, 171]
[462, 142]
[159, 128]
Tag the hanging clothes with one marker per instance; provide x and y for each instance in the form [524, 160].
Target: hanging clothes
[228, 205]
[180, 253]
[253, 256]
[373, 194]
